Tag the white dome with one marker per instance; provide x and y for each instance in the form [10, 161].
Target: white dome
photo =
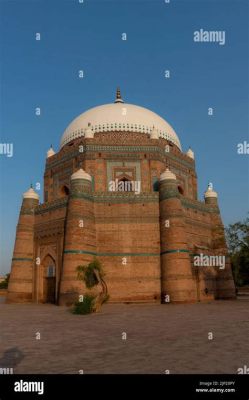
[167, 174]
[119, 116]
[81, 174]
[31, 194]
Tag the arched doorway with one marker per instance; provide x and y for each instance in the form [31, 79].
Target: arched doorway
[49, 280]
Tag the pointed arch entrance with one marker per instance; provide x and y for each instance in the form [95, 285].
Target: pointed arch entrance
[49, 280]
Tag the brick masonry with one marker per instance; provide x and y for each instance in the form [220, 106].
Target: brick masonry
[143, 260]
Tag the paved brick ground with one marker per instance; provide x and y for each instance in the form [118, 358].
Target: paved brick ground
[159, 337]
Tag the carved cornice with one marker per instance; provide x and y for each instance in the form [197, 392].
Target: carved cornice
[52, 205]
[119, 148]
[125, 197]
[198, 205]
[81, 195]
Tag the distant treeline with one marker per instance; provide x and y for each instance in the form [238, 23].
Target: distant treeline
[237, 236]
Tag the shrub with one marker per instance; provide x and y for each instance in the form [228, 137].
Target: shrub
[4, 284]
[92, 275]
[85, 306]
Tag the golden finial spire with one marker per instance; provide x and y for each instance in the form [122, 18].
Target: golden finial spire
[118, 96]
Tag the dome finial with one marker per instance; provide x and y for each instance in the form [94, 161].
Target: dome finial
[118, 96]
[210, 191]
[210, 186]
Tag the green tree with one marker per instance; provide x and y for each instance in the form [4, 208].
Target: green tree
[92, 275]
[237, 236]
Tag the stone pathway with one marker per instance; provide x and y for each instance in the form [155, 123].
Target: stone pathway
[159, 337]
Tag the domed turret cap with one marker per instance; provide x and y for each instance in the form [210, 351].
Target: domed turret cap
[210, 192]
[81, 174]
[167, 174]
[31, 194]
[190, 153]
[50, 152]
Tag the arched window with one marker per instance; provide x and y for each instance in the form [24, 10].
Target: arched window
[155, 184]
[64, 191]
[125, 185]
[50, 271]
[180, 189]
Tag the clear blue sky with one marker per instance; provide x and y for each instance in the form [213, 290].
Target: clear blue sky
[87, 36]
